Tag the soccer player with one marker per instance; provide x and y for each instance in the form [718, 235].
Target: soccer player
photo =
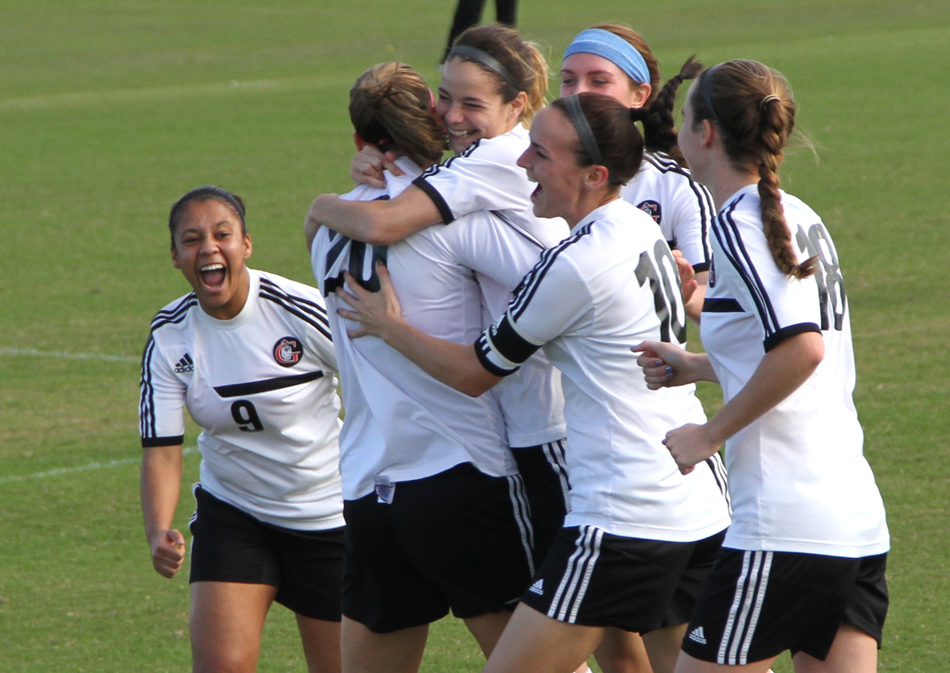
[249, 354]
[435, 510]
[802, 566]
[639, 536]
[614, 60]
[492, 84]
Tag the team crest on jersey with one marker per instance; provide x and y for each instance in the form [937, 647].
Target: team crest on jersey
[652, 208]
[288, 351]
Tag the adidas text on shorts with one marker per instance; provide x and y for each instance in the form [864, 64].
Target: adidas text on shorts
[757, 604]
[593, 578]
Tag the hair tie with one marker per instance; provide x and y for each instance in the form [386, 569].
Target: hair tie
[768, 99]
[615, 49]
[707, 81]
[582, 126]
[486, 60]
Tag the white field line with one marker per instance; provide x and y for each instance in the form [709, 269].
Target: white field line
[122, 96]
[82, 468]
[32, 352]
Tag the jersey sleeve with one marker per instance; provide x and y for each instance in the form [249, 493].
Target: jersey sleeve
[161, 400]
[784, 306]
[494, 248]
[690, 218]
[552, 300]
[484, 177]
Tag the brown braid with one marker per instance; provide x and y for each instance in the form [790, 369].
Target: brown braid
[755, 114]
[659, 130]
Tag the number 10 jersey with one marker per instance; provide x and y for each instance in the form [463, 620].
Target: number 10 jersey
[611, 285]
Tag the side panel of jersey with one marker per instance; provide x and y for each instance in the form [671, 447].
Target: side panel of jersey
[798, 477]
[262, 387]
[587, 302]
[682, 207]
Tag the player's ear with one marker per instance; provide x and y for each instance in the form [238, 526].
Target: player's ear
[517, 106]
[360, 143]
[175, 257]
[706, 137]
[597, 177]
[248, 248]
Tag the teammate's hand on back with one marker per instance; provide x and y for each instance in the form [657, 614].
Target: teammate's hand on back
[168, 552]
[368, 165]
[663, 364]
[687, 274]
[690, 444]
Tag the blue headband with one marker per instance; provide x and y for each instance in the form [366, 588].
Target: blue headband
[615, 49]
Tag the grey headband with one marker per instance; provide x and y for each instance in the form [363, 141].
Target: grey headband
[582, 126]
[486, 60]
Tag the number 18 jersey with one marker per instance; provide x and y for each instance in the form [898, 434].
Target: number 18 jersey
[798, 477]
[610, 285]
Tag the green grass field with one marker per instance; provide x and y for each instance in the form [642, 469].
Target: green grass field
[111, 110]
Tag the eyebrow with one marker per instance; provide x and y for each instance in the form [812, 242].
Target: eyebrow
[185, 230]
[589, 72]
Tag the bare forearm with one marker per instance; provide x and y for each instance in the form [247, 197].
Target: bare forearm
[782, 371]
[454, 364]
[381, 222]
[160, 487]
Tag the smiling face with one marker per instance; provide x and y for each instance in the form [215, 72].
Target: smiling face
[586, 72]
[551, 161]
[210, 249]
[471, 107]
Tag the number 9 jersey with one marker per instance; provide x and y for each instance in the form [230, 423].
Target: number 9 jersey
[797, 475]
[263, 390]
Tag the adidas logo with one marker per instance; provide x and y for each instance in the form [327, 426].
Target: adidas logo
[537, 587]
[185, 365]
[697, 636]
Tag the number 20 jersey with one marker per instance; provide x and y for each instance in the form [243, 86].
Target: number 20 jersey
[609, 286]
[262, 387]
[798, 478]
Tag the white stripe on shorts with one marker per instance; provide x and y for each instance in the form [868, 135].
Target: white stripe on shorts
[522, 512]
[570, 592]
[746, 608]
[555, 453]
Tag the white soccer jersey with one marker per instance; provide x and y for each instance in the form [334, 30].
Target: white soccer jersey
[486, 177]
[531, 399]
[402, 424]
[609, 286]
[683, 208]
[261, 386]
[798, 477]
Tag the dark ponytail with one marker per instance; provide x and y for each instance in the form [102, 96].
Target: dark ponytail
[659, 131]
